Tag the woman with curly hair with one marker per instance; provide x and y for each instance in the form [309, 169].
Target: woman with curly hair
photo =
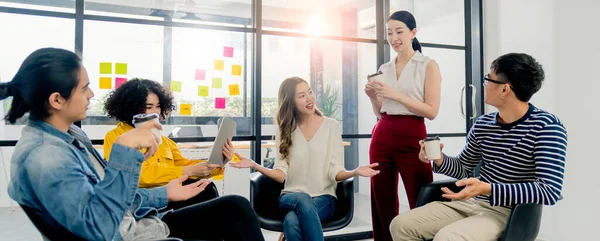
[146, 96]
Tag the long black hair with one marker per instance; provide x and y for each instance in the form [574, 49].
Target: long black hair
[408, 19]
[42, 73]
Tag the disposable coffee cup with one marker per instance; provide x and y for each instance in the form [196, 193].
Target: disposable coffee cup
[376, 76]
[432, 148]
[142, 119]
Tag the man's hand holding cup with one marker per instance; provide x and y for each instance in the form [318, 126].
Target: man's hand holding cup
[431, 150]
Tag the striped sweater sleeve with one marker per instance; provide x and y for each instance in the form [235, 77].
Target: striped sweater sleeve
[549, 153]
[462, 166]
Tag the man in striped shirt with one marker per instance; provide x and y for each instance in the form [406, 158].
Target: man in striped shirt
[523, 150]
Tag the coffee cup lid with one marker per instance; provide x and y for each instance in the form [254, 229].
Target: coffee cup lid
[139, 118]
[435, 138]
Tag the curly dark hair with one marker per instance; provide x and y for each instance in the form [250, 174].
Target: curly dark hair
[130, 99]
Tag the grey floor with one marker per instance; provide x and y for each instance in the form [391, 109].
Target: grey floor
[16, 226]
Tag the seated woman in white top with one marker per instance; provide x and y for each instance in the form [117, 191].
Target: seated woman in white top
[310, 161]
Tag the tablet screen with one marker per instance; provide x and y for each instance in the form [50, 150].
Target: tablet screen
[226, 131]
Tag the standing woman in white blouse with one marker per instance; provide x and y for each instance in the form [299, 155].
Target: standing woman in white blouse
[407, 92]
[310, 161]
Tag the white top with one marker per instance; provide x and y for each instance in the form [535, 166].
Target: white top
[312, 165]
[411, 83]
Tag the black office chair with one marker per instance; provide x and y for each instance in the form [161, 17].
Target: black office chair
[54, 234]
[48, 232]
[264, 196]
[523, 223]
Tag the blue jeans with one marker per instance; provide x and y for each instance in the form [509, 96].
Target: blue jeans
[305, 213]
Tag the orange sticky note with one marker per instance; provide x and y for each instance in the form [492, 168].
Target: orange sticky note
[236, 159]
[234, 90]
[185, 109]
[219, 64]
[236, 70]
[105, 83]
[202, 91]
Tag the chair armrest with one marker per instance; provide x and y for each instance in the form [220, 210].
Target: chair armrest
[345, 196]
[432, 191]
[344, 206]
[264, 195]
[523, 223]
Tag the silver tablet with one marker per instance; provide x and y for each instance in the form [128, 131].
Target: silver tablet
[226, 131]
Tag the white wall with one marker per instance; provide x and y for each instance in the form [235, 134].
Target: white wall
[522, 26]
[562, 36]
[576, 100]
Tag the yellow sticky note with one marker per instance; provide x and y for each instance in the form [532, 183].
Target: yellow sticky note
[185, 109]
[105, 83]
[236, 70]
[217, 83]
[219, 64]
[234, 90]
[175, 86]
[235, 159]
[120, 68]
[202, 91]
[105, 68]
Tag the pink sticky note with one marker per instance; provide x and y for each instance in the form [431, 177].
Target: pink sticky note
[228, 52]
[219, 103]
[119, 81]
[200, 74]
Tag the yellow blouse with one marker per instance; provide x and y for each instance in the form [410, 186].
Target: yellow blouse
[167, 164]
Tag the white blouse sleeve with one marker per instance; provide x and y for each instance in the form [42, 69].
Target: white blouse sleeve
[336, 145]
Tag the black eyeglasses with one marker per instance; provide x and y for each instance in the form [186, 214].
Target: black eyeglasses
[487, 78]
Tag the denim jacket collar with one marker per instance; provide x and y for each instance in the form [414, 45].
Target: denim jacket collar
[44, 126]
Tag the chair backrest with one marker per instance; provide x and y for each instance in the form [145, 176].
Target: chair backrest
[48, 231]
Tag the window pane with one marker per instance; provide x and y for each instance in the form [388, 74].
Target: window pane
[332, 18]
[452, 68]
[228, 13]
[30, 34]
[132, 51]
[438, 21]
[212, 73]
[67, 6]
[335, 70]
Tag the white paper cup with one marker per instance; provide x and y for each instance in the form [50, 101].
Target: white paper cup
[432, 148]
[142, 119]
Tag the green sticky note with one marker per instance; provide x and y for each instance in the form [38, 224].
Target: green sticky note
[175, 86]
[217, 83]
[120, 68]
[105, 68]
[202, 91]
